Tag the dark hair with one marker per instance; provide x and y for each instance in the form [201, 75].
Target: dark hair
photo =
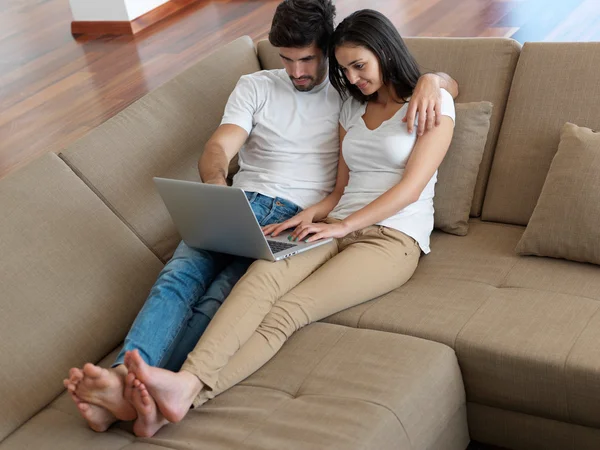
[374, 31]
[300, 23]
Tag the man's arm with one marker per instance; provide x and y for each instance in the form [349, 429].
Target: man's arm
[448, 83]
[427, 101]
[222, 146]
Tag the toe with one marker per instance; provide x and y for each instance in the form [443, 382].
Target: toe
[146, 399]
[75, 374]
[83, 407]
[130, 379]
[92, 371]
[76, 399]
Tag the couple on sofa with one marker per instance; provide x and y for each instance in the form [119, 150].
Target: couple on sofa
[350, 170]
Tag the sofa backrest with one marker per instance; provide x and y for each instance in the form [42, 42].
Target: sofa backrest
[162, 134]
[554, 83]
[483, 67]
[73, 279]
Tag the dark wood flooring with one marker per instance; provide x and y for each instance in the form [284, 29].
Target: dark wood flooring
[54, 88]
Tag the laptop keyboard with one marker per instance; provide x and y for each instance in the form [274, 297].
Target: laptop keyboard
[277, 246]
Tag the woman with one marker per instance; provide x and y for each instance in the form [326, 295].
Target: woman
[380, 214]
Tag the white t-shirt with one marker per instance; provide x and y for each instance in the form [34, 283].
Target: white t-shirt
[293, 144]
[376, 159]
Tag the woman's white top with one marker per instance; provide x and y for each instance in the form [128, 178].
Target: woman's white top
[377, 159]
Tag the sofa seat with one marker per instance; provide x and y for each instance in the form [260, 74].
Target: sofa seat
[525, 329]
[329, 387]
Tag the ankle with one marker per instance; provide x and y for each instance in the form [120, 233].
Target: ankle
[192, 383]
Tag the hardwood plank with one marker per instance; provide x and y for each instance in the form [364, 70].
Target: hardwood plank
[54, 88]
[169, 9]
[101, 28]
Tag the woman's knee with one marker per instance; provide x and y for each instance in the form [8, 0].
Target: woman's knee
[282, 321]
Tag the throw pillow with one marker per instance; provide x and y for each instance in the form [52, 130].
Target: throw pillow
[565, 220]
[457, 174]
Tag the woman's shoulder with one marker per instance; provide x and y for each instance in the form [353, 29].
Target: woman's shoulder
[351, 104]
[351, 108]
[447, 108]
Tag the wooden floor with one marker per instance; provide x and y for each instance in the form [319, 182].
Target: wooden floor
[54, 88]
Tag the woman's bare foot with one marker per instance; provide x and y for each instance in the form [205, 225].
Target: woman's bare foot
[173, 392]
[149, 419]
[104, 388]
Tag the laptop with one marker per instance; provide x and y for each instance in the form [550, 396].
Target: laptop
[220, 219]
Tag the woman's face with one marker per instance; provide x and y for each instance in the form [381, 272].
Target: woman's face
[361, 67]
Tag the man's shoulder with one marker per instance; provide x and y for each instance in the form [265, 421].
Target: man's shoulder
[263, 77]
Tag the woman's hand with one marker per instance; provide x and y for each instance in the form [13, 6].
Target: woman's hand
[303, 218]
[320, 231]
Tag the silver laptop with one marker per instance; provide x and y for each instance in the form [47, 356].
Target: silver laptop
[220, 218]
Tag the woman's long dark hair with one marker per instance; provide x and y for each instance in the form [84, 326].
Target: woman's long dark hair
[372, 30]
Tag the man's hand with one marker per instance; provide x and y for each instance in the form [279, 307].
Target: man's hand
[303, 218]
[427, 101]
[218, 181]
[320, 231]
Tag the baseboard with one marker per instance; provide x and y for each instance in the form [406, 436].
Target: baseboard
[100, 28]
[132, 27]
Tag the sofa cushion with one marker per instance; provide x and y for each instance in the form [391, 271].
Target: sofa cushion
[483, 67]
[525, 329]
[565, 221]
[457, 174]
[162, 134]
[508, 429]
[448, 287]
[514, 351]
[328, 387]
[73, 279]
[554, 83]
[61, 426]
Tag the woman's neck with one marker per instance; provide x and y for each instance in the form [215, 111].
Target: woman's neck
[387, 94]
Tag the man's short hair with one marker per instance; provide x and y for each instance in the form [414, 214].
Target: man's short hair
[300, 23]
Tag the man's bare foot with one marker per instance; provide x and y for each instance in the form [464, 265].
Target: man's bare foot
[173, 392]
[98, 418]
[149, 419]
[104, 388]
[75, 376]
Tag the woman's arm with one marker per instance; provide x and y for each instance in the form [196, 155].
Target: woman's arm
[320, 210]
[426, 157]
[325, 206]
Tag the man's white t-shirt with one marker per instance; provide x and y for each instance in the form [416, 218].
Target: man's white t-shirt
[377, 159]
[293, 145]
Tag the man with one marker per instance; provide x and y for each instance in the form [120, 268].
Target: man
[284, 125]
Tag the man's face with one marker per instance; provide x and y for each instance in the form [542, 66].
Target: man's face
[306, 66]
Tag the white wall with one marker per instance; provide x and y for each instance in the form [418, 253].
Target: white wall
[111, 10]
[99, 10]
[137, 8]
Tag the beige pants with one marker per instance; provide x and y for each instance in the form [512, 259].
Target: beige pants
[273, 300]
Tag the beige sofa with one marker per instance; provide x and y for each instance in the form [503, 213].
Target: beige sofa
[480, 335]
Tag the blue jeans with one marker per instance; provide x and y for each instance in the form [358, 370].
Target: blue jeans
[189, 291]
